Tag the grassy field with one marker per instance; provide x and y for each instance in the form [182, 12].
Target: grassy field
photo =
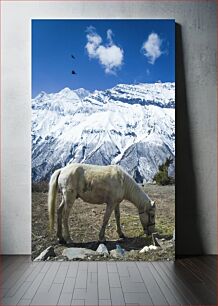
[85, 221]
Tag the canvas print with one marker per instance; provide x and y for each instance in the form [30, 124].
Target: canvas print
[103, 140]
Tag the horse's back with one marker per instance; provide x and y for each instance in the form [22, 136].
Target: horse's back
[102, 184]
[108, 175]
[68, 176]
[93, 183]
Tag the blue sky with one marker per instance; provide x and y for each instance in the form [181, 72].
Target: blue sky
[107, 52]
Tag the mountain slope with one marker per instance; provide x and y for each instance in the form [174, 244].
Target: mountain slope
[129, 125]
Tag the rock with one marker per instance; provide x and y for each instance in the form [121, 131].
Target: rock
[152, 247]
[155, 237]
[160, 243]
[102, 249]
[165, 244]
[118, 252]
[114, 254]
[148, 248]
[49, 252]
[78, 253]
[145, 249]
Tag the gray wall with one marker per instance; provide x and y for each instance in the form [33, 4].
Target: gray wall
[196, 113]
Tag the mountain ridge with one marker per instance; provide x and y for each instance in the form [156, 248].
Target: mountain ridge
[129, 125]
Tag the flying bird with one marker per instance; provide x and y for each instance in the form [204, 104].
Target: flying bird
[73, 57]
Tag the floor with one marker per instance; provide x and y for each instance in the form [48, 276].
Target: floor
[188, 281]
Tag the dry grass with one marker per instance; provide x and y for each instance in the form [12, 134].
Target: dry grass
[86, 219]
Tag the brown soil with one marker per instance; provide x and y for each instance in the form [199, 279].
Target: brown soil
[85, 221]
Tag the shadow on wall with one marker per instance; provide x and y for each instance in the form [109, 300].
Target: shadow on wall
[189, 240]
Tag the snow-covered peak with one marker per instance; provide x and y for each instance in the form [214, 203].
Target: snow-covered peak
[129, 125]
[67, 94]
[65, 91]
[160, 94]
[40, 96]
[82, 93]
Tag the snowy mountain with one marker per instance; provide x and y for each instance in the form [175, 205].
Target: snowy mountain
[129, 125]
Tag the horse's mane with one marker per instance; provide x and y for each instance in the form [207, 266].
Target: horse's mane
[130, 183]
[133, 192]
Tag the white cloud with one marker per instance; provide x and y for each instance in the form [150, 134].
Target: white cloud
[152, 48]
[94, 40]
[109, 55]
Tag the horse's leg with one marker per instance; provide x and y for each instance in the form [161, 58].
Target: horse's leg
[117, 217]
[59, 222]
[69, 198]
[108, 212]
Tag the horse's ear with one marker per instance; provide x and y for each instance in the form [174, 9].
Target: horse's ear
[153, 204]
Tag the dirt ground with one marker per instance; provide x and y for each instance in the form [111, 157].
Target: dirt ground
[85, 221]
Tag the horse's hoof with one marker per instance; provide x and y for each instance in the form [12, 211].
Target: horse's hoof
[62, 241]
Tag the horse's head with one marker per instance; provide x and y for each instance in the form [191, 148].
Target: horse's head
[147, 218]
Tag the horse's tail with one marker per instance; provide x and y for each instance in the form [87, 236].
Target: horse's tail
[52, 195]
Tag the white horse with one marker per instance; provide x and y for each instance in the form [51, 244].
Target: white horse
[97, 185]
